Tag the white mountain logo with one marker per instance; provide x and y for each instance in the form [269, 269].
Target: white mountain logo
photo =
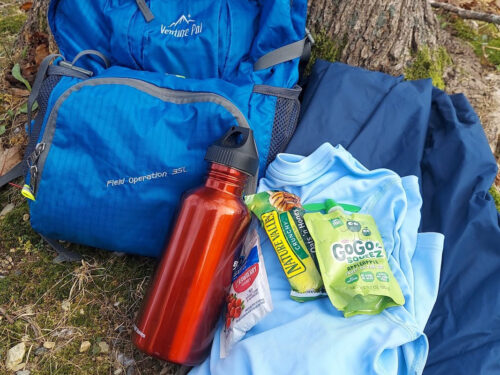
[182, 18]
[182, 28]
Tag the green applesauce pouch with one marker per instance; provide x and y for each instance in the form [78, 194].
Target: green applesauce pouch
[353, 262]
[281, 216]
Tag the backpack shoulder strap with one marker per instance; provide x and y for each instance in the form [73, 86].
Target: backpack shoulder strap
[17, 171]
[20, 168]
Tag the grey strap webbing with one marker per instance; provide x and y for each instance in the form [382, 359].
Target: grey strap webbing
[63, 254]
[61, 70]
[146, 12]
[92, 52]
[286, 53]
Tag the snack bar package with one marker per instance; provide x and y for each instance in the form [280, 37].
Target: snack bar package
[353, 262]
[281, 215]
[249, 299]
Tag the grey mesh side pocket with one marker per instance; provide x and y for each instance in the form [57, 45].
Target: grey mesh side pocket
[286, 116]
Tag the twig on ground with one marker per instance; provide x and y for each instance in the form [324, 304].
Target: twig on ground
[28, 355]
[468, 14]
[33, 325]
[7, 316]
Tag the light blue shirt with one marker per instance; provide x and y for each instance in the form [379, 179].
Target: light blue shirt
[313, 337]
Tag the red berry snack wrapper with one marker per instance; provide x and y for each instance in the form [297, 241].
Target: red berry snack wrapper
[249, 299]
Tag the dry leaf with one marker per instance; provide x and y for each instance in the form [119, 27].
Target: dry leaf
[41, 52]
[26, 6]
[9, 158]
[19, 92]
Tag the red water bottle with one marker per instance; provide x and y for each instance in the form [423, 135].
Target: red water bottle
[179, 315]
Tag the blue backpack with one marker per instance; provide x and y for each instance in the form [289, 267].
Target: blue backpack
[140, 90]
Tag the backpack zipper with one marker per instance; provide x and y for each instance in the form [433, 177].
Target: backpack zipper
[37, 162]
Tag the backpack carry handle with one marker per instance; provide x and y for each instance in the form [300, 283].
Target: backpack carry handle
[92, 52]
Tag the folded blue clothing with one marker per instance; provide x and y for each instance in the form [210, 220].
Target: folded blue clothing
[415, 129]
[313, 337]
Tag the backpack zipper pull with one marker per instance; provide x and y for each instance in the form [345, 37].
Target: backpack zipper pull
[28, 189]
[27, 192]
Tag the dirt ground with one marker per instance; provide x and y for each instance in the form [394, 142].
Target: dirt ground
[77, 318]
[479, 82]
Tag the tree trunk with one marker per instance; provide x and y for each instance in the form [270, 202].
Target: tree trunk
[375, 34]
[36, 22]
[35, 40]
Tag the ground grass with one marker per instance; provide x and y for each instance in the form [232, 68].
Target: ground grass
[95, 300]
[11, 21]
[11, 24]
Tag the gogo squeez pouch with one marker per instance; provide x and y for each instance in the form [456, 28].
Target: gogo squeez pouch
[353, 262]
[281, 215]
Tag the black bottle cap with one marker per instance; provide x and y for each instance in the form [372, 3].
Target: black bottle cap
[235, 149]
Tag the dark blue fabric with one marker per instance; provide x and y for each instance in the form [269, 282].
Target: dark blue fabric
[413, 128]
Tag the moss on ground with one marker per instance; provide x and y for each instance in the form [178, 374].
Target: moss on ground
[485, 40]
[324, 48]
[429, 63]
[496, 196]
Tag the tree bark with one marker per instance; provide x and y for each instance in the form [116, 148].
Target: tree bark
[36, 22]
[34, 40]
[375, 34]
